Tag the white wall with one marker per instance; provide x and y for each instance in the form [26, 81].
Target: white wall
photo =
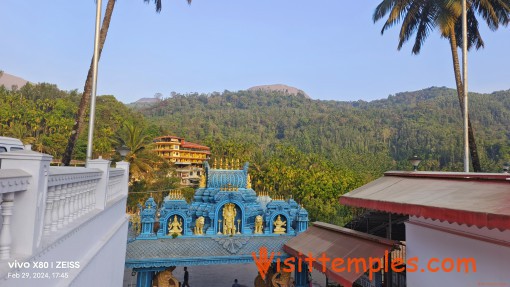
[98, 245]
[492, 259]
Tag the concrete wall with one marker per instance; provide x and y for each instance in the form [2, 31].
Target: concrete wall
[106, 267]
[61, 226]
[427, 239]
[98, 245]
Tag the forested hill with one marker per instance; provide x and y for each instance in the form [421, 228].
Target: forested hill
[373, 135]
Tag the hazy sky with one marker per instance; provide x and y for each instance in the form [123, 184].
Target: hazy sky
[331, 49]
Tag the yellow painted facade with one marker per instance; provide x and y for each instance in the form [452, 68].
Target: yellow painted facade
[188, 157]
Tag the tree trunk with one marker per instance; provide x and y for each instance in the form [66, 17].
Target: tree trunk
[460, 88]
[87, 90]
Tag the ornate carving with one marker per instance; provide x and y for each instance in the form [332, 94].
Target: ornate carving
[232, 244]
[202, 183]
[166, 279]
[229, 215]
[175, 227]
[259, 225]
[278, 225]
[282, 279]
[248, 181]
[199, 226]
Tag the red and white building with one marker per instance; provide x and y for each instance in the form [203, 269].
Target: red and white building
[458, 232]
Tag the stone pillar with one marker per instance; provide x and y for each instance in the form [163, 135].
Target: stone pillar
[125, 180]
[27, 220]
[301, 278]
[144, 278]
[102, 185]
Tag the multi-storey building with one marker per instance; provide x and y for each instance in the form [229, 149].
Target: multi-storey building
[187, 156]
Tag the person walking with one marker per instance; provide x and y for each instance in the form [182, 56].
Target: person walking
[235, 284]
[186, 278]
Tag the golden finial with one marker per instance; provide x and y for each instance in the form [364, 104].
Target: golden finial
[202, 181]
[232, 166]
[214, 164]
[238, 164]
[248, 181]
[221, 163]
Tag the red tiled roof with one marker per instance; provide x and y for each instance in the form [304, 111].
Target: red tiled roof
[476, 199]
[194, 145]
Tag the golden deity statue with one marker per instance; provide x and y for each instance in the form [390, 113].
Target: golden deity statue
[199, 226]
[166, 279]
[278, 225]
[175, 227]
[282, 279]
[248, 181]
[202, 181]
[229, 216]
[259, 225]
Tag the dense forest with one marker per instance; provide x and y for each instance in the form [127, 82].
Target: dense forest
[310, 149]
[367, 136]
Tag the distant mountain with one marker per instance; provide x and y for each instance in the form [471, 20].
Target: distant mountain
[146, 102]
[9, 81]
[279, 88]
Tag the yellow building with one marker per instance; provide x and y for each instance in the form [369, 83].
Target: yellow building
[187, 156]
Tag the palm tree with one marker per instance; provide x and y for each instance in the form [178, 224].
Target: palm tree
[87, 90]
[420, 17]
[141, 161]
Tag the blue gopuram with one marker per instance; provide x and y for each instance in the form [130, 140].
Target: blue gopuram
[225, 223]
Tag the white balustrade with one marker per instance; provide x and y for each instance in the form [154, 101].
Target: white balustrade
[70, 193]
[11, 182]
[70, 186]
[114, 183]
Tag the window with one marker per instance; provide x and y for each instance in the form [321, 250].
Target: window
[16, 148]
[3, 149]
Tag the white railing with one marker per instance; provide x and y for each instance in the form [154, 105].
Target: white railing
[49, 201]
[11, 181]
[71, 194]
[114, 183]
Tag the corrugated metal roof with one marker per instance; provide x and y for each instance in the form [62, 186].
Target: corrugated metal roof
[476, 199]
[338, 242]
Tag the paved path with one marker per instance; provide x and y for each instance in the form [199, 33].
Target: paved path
[221, 276]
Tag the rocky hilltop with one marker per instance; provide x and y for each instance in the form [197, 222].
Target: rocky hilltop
[281, 88]
[9, 81]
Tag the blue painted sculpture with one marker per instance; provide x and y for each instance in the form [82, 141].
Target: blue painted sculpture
[223, 205]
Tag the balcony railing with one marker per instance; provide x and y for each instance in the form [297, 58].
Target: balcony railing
[41, 203]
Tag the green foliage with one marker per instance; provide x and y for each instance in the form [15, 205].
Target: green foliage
[365, 137]
[42, 115]
[317, 150]
[311, 150]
